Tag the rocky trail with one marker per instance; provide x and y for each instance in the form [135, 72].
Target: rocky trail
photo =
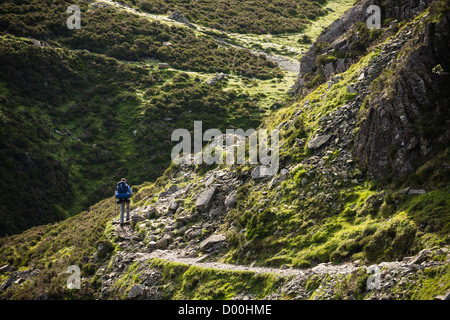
[387, 274]
[173, 229]
[126, 233]
[167, 229]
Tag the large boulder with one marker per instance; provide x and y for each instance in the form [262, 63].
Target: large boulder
[230, 200]
[163, 242]
[205, 198]
[212, 242]
[318, 141]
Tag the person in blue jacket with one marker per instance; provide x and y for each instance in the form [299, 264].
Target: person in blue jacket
[123, 194]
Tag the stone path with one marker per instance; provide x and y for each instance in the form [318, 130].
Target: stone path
[177, 256]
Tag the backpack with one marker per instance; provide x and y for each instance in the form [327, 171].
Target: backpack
[122, 187]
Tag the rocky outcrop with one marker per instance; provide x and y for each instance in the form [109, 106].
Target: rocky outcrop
[334, 38]
[409, 118]
[344, 43]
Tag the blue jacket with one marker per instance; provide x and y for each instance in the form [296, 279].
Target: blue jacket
[124, 195]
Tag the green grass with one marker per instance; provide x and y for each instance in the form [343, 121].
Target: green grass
[433, 282]
[102, 119]
[195, 283]
[53, 247]
[260, 17]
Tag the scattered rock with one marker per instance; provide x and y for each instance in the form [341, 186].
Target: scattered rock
[217, 77]
[318, 141]
[212, 241]
[205, 198]
[262, 171]
[273, 182]
[151, 245]
[172, 189]
[135, 218]
[163, 242]
[151, 213]
[230, 200]
[420, 257]
[284, 173]
[7, 268]
[176, 15]
[173, 207]
[163, 65]
[416, 191]
[184, 218]
[351, 89]
[136, 291]
[446, 296]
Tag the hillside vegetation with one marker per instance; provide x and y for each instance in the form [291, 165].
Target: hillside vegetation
[82, 108]
[258, 17]
[362, 180]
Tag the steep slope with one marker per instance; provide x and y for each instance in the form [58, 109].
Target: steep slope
[81, 108]
[405, 118]
[310, 232]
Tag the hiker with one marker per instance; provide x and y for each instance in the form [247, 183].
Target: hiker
[123, 194]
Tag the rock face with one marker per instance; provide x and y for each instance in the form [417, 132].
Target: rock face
[403, 126]
[334, 36]
[407, 120]
[340, 37]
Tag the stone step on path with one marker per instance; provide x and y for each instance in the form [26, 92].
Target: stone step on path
[130, 240]
[178, 256]
[125, 234]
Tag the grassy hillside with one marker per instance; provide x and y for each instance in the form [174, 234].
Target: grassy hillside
[74, 122]
[82, 108]
[125, 36]
[259, 16]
